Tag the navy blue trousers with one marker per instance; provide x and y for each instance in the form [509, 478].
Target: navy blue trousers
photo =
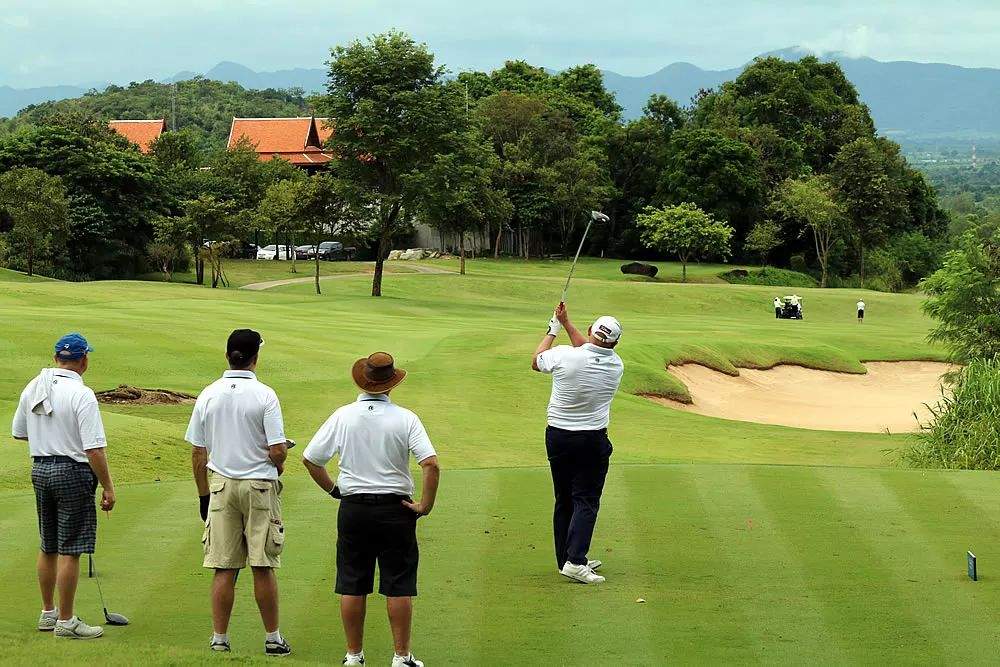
[579, 464]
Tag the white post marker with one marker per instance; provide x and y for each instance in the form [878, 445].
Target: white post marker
[595, 216]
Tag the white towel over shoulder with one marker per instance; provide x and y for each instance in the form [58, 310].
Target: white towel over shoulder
[38, 396]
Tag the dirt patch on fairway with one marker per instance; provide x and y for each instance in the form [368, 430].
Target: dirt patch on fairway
[128, 395]
[884, 399]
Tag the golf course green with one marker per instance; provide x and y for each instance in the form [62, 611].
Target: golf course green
[723, 541]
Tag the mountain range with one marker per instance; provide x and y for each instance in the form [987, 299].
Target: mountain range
[908, 100]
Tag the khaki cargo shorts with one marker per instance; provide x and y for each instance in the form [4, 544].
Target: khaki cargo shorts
[244, 523]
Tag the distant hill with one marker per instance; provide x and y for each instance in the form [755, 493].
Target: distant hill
[908, 100]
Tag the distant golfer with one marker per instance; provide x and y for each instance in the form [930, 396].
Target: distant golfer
[861, 311]
[585, 377]
[377, 522]
[777, 308]
[59, 417]
[238, 434]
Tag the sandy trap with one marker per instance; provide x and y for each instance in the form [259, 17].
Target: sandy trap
[885, 399]
[128, 395]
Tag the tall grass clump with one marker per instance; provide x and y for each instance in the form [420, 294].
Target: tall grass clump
[964, 431]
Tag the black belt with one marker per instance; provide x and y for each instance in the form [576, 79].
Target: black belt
[57, 459]
[374, 498]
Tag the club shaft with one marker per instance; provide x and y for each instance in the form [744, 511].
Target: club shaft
[573, 267]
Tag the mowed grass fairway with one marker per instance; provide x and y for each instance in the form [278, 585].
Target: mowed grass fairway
[749, 543]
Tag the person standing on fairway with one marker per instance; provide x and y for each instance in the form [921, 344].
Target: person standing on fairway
[377, 522]
[777, 308]
[861, 311]
[238, 434]
[59, 417]
[585, 377]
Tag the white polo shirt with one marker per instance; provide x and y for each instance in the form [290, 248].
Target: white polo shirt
[236, 418]
[374, 439]
[861, 305]
[584, 380]
[73, 427]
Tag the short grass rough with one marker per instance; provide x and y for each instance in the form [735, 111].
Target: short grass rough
[749, 543]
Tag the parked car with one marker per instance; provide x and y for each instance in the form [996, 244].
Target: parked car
[268, 252]
[305, 252]
[335, 250]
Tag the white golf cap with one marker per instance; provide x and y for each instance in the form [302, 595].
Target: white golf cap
[607, 329]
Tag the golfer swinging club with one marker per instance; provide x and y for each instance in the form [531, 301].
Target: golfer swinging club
[377, 523]
[585, 377]
[59, 417]
[238, 434]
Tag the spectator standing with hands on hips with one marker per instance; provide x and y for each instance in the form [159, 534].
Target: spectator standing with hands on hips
[238, 452]
[377, 522]
[59, 417]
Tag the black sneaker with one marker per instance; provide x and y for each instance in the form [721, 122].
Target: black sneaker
[220, 646]
[277, 648]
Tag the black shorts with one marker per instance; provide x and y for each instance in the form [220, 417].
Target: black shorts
[384, 532]
[64, 499]
[861, 314]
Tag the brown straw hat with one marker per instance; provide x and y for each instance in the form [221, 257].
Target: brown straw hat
[376, 374]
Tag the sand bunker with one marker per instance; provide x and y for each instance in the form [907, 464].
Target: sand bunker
[126, 395]
[883, 400]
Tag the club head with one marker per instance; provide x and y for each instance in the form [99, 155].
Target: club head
[597, 216]
[114, 619]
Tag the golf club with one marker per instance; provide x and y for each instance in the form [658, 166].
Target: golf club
[595, 216]
[109, 616]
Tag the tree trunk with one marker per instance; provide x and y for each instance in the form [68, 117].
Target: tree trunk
[496, 248]
[461, 253]
[317, 268]
[277, 245]
[684, 271]
[295, 254]
[383, 251]
[31, 263]
[199, 264]
[862, 266]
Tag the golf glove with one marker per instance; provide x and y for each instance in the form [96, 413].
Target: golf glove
[554, 327]
[203, 506]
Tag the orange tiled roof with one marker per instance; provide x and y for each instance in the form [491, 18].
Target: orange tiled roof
[140, 132]
[298, 140]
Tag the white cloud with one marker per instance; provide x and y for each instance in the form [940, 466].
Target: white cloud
[855, 41]
[19, 22]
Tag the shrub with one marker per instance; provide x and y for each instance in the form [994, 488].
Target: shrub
[965, 429]
[798, 263]
[769, 276]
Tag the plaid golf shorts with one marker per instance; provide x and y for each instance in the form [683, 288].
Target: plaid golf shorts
[64, 498]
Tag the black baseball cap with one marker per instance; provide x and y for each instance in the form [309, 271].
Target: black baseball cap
[243, 345]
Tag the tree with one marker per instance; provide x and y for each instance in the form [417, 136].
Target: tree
[393, 114]
[965, 300]
[278, 212]
[170, 235]
[212, 226]
[323, 211]
[686, 231]
[719, 174]
[577, 184]
[113, 192]
[36, 205]
[810, 202]
[763, 239]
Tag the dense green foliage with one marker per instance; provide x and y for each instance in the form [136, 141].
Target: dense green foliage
[516, 158]
[202, 107]
[965, 429]
[770, 276]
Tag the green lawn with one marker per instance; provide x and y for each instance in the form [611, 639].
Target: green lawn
[241, 272]
[749, 543]
[9, 276]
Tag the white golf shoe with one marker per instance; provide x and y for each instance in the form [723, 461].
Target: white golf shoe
[594, 564]
[581, 573]
[406, 661]
[47, 620]
[354, 658]
[74, 628]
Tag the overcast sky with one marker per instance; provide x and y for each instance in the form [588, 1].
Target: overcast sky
[45, 42]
